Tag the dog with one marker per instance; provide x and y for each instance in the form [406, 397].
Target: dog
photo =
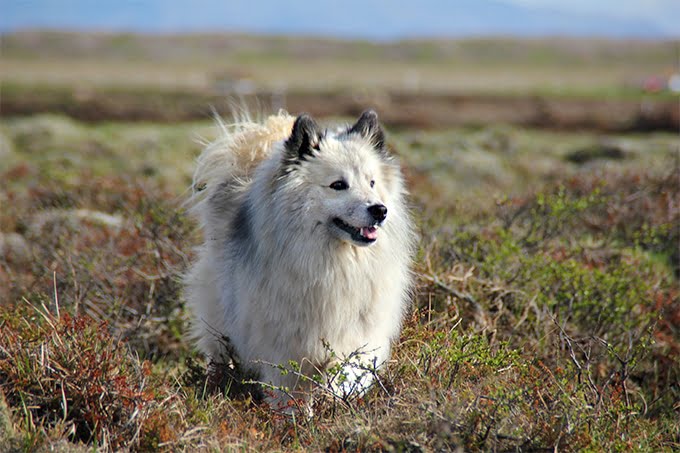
[307, 252]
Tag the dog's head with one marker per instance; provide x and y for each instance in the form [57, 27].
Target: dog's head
[347, 177]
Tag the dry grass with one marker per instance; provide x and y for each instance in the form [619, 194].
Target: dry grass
[546, 319]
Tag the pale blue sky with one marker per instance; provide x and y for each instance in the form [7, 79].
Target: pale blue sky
[663, 13]
[380, 19]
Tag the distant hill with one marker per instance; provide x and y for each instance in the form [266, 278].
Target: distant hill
[241, 48]
[370, 19]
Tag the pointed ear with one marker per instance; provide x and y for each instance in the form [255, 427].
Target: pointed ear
[304, 138]
[369, 127]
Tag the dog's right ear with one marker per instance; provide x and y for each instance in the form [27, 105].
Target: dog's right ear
[303, 140]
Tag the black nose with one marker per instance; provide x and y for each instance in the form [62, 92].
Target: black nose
[378, 212]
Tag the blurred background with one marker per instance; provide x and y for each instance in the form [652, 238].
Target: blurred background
[540, 143]
[606, 65]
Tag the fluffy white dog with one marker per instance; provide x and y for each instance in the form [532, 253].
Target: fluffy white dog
[307, 250]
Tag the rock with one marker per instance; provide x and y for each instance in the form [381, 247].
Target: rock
[14, 248]
[73, 218]
[101, 218]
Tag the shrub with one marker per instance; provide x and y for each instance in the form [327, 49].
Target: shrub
[66, 375]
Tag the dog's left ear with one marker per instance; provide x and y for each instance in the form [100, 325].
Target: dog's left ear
[369, 127]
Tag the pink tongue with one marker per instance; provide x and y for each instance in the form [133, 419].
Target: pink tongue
[369, 232]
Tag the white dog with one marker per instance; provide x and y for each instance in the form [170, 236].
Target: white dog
[307, 250]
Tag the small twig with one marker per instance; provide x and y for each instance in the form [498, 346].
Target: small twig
[454, 292]
[56, 294]
[582, 371]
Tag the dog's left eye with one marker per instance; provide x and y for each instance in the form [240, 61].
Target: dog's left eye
[339, 185]
[372, 183]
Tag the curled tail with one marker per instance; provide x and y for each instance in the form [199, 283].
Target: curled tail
[227, 163]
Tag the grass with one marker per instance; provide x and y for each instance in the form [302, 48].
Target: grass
[545, 316]
[553, 67]
[617, 81]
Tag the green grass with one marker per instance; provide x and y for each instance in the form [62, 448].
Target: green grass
[58, 148]
[545, 314]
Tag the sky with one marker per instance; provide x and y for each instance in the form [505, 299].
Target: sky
[663, 13]
[353, 18]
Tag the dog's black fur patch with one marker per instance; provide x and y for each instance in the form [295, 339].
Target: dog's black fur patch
[240, 227]
[242, 232]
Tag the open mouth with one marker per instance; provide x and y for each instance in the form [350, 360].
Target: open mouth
[366, 235]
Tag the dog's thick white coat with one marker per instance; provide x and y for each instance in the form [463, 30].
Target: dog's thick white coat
[274, 274]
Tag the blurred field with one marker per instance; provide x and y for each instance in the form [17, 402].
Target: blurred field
[559, 66]
[557, 83]
[546, 313]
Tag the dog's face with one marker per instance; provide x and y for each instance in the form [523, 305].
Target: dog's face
[350, 202]
[344, 178]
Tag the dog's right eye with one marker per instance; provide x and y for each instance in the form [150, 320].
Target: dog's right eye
[339, 185]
